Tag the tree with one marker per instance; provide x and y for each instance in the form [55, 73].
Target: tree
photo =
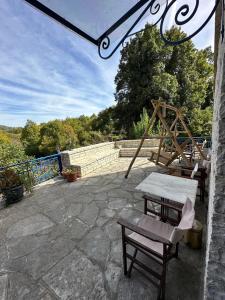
[104, 121]
[30, 138]
[4, 138]
[11, 154]
[201, 121]
[56, 135]
[181, 75]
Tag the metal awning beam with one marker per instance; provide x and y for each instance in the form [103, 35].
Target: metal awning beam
[184, 14]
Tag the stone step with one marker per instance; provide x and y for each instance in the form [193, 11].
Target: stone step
[144, 152]
[148, 143]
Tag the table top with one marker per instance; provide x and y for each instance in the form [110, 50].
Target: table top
[170, 187]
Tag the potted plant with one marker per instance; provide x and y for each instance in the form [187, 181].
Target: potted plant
[64, 173]
[71, 175]
[11, 186]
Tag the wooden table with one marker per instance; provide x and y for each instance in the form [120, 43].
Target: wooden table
[172, 191]
[169, 187]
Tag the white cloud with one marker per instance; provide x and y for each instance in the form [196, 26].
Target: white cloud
[46, 69]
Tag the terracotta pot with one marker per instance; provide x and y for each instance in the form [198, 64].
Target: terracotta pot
[64, 174]
[71, 177]
[78, 175]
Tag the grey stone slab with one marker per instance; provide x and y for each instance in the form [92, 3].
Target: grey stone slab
[113, 231]
[4, 255]
[28, 226]
[76, 229]
[134, 288]
[116, 252]
[10, 219]
[42, 259]
[22, 287]
[105, 188]
[75, 277]
[101, 221]
[101, 196]
[48, 296]
[130, 214]
[112, 275]
[108, 213]
[96, 245]
[102, 204]
[53, 204]
[74, 209]
[117, 203]
[24, 245]
[90, 214]
[3, 286]
[120, 193]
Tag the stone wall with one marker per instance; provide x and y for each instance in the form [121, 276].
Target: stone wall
[135, 143]
[128, 147]
[87, 159]
[215, 256]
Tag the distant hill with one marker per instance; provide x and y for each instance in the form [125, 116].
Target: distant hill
[5, 128]
[11, 129]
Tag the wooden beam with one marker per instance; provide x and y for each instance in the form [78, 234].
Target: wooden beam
[177, 146]
[174, 123]
[191, 137]
[150, 125]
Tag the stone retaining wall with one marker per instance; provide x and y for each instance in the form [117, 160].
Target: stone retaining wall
[87, 159]
[135, 143]
[128, 147]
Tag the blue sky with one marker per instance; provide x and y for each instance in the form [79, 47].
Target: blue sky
[47, 72]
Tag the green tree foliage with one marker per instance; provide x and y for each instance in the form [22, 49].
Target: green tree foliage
[139, 127]
[30, 138]
[201, 121]
[11, 153]
[56, 135]
[181, 76]
[4, 138]
[104, 122]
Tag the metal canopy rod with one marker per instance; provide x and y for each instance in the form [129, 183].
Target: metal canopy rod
[124, 18]
[61, 20]
[74, 28]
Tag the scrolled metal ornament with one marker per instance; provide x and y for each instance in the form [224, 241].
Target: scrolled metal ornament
[188, 15]
[154, 7]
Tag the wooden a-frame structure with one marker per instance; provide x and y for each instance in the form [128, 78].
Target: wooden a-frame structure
[168, 131]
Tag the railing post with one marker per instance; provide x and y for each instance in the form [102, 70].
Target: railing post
[60, 161]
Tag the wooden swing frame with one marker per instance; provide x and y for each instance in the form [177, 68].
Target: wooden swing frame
[168, 132]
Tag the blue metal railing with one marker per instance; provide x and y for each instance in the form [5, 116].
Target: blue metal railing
[40, 169]
[198, 139]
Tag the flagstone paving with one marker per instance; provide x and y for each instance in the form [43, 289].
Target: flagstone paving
[63, 242]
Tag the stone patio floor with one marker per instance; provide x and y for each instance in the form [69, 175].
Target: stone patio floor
[63, 242]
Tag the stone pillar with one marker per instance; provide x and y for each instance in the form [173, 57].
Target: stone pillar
[215, 252]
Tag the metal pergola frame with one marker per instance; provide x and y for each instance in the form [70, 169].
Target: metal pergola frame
[103, 42]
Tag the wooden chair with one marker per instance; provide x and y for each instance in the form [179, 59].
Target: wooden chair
[158, 241]
[168, 212]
